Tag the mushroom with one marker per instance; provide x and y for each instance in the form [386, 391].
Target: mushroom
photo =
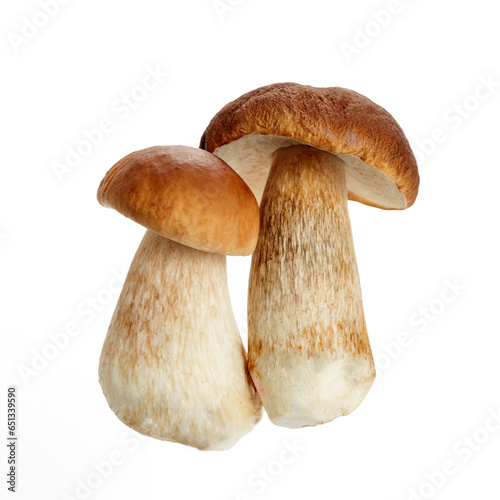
[173, 365]
[305, 151]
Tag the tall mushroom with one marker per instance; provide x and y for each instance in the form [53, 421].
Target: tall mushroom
[173, 365]
[305, 151]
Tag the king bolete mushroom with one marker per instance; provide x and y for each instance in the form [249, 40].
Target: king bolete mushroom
[305, 151]
[173, 365]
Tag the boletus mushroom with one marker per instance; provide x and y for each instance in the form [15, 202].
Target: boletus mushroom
[173, 366]
[305, 151]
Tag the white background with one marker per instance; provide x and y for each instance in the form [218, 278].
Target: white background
[435, 397]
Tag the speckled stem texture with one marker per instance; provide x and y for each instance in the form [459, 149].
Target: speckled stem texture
[173, 365]
[309, 353]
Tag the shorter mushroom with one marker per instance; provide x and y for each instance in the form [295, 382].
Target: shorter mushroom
[173, 366]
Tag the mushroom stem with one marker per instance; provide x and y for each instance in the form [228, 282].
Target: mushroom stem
[173, 365]
[309, 353]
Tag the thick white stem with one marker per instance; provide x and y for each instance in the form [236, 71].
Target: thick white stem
[173, 365]
[309, 353]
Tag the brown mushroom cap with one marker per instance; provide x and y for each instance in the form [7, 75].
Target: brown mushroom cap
[187, 195]
[381, 168]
